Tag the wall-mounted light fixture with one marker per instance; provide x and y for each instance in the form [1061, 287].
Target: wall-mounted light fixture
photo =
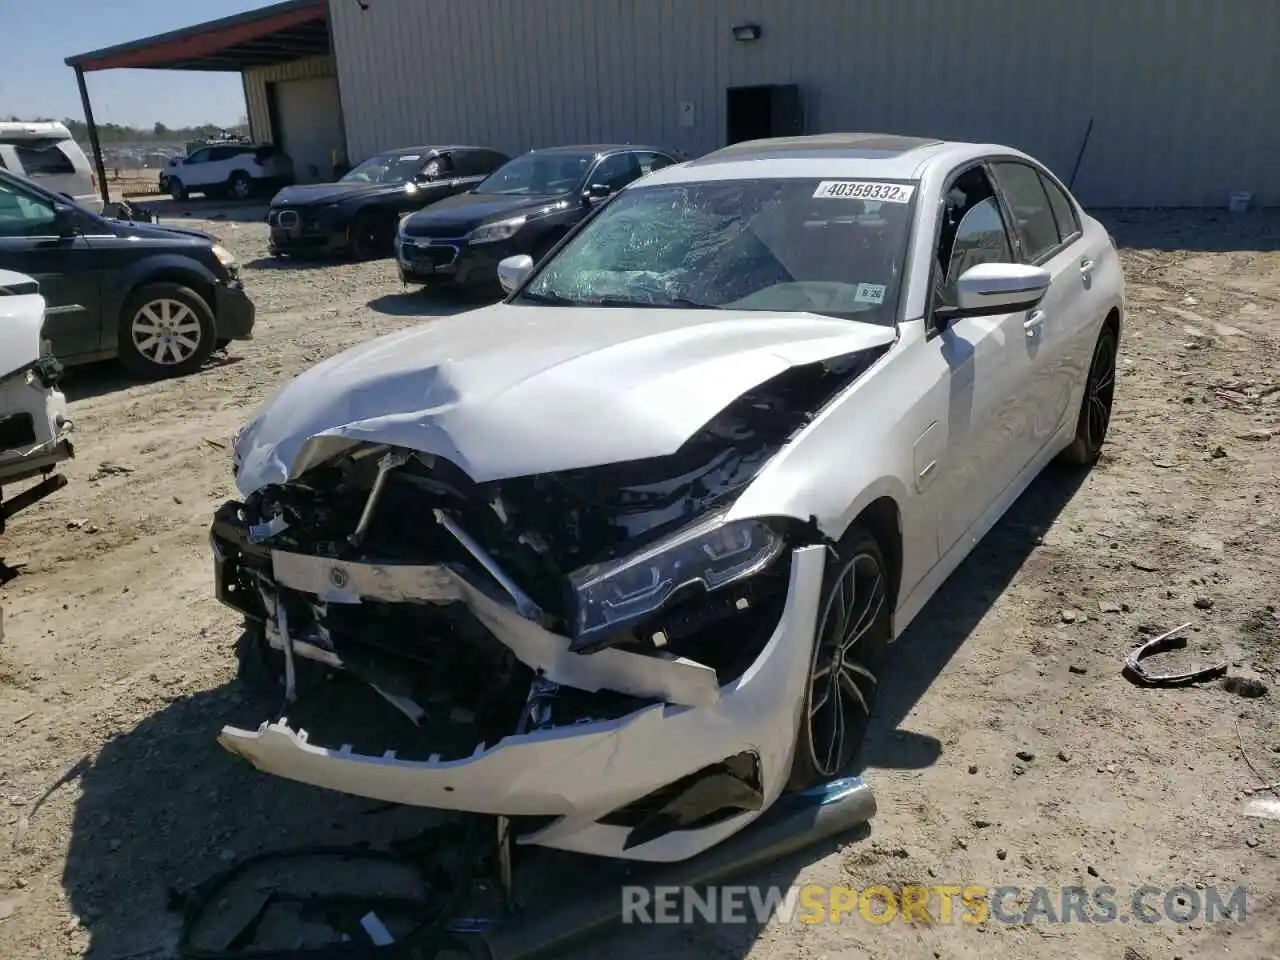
[746, 31]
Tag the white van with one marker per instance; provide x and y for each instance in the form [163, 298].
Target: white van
[47, 154]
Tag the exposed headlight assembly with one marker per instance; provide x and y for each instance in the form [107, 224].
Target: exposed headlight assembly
[708, 555]
[492, 232]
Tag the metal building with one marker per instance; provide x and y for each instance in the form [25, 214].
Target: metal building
[1183, 95]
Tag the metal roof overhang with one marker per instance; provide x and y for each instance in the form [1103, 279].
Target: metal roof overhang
[258, 38]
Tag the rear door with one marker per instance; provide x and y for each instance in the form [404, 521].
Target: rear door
[64, 267]
[1053, 330]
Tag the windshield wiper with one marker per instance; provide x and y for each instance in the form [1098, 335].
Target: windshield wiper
[666, 304]
[553, 298]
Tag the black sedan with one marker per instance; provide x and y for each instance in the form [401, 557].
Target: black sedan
[527, 206]
[359, 213]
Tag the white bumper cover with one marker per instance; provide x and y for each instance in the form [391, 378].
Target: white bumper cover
[583, 772]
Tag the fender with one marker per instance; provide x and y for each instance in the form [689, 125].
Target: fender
[167, 266]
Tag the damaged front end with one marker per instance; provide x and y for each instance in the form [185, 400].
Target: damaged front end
[598, 649]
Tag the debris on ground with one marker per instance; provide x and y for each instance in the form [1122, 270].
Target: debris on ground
[1247, 687]
[1164, 643]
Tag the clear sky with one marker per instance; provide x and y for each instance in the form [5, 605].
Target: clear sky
[37, 35]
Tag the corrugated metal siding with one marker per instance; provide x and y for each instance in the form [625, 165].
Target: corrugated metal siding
[255, 89]
[1185, 94]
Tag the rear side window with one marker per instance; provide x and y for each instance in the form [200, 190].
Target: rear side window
[42, 158]
[1063, 210]
[1032, 217]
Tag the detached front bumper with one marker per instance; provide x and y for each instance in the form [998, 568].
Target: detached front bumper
[582, 775]
[35, 434]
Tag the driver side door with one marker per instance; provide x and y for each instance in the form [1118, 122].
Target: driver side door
[990, 370]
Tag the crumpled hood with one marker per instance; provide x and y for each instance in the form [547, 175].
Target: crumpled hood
[510, 390]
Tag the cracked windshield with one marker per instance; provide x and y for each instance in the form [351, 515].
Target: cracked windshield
[770, 245]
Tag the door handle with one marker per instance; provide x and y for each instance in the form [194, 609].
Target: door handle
[1086, 266]
[1033, 323]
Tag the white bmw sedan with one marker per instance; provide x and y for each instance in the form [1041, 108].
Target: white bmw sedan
[626, 551]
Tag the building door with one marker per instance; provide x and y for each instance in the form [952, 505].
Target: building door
[754, 113]
[310, 126]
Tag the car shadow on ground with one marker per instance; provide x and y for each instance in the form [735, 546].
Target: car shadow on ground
[295, 263]
[1199, 231]
[415, 302]
[162, 808]
[107, 376]
[951, 615]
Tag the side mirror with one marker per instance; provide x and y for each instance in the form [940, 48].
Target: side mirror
[64, 220]
[596, 192]
[513, 271]
[992, 288]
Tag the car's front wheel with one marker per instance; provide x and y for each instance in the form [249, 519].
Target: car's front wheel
[176, 189]
[166, 330]
[370, 236]
[1095, 408]
[853, 631]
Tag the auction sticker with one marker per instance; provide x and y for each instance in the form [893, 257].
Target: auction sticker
[869, 293]
[864, 190]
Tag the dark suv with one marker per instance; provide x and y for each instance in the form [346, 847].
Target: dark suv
[161, 299]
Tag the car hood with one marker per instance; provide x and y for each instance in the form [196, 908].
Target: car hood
[150, 231]
[511, 390]
[312, 193]
[459, 214]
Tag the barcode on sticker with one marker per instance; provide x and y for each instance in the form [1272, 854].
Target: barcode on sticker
[864, 190]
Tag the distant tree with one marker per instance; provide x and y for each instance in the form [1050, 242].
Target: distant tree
[160, 130]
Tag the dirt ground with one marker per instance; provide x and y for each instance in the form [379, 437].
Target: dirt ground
[116, 670]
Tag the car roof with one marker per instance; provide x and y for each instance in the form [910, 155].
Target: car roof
[604, 148]
[853, 155]
[35, 129]
[440, 148]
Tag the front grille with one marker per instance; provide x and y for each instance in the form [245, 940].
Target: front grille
[435, 256]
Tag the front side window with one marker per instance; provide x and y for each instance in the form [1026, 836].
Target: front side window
[773, 245]
[616, 172]
[24, 215]
[539, 175]
[1033, 218]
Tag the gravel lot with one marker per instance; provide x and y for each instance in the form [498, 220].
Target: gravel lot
[116, 671]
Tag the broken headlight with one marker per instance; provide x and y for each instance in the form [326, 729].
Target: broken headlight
[709, 555]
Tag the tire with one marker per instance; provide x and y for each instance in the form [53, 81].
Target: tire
[176, 190]
[240, 185]
[368, 237]
[1095, 406]
[157, 326]
[854, 615]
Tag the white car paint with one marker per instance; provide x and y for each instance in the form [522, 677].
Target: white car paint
[21, 324]
[949, 424]
[510, 391]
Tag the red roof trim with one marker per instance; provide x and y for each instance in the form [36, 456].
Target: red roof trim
[205, 44]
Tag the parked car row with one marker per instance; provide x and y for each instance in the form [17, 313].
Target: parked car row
[450, 214]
